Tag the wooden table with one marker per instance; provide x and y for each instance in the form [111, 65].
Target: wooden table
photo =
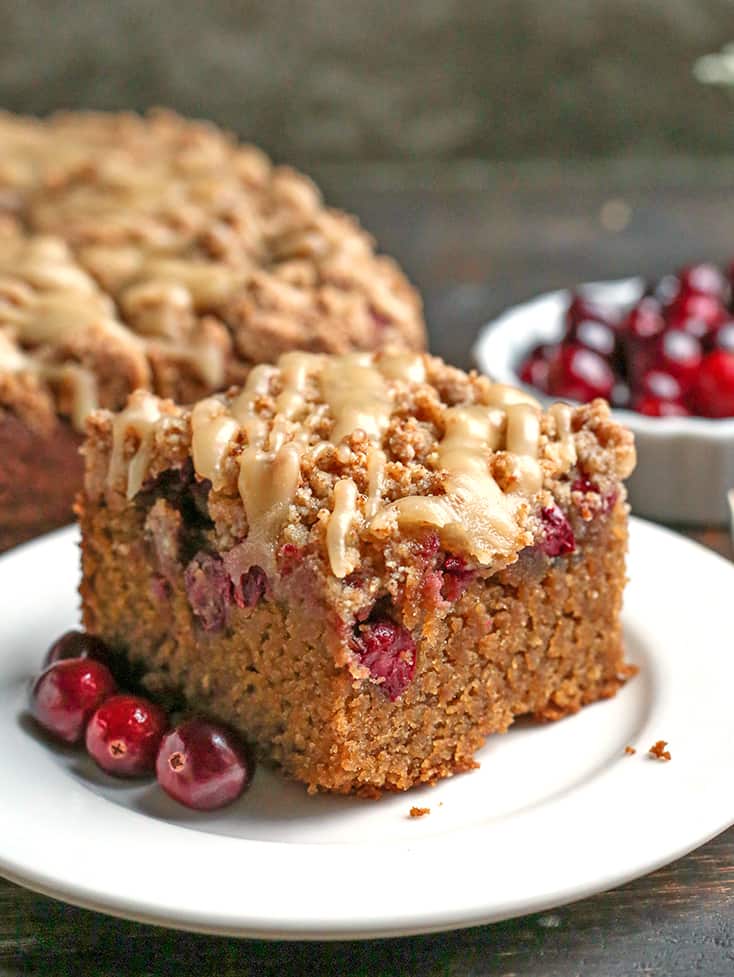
[476, 239]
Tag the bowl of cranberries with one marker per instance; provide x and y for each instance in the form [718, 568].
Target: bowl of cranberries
[661, 353]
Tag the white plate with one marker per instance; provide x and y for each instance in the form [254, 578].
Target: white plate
[555, 813]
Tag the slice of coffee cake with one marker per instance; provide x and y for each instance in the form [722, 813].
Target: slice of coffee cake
[365, 563]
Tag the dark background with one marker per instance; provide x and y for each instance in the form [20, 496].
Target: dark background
[329, 80]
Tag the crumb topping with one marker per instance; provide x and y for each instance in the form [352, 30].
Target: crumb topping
[360, 450]
[658, 751]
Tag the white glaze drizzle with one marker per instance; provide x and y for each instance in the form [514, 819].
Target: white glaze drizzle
[46, 300]
[212, 428]
[474, 514]
[357, 396]
[339, 525]
[562, 414]
[376, 461]
[139, 417]
[268, 482]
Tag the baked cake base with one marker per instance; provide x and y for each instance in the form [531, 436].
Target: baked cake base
[541, 637]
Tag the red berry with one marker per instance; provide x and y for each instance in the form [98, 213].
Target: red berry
[584, 484]
[534, 372]
[696, 313]
[645, 320]
[659, 384]
[713, 393]
[77, 644]
[67, 693]
[250, 587]
[679, 354]
[388, 651]
[703, 278]
[596, 336]
[456, 577]
[124, 735]
[579, 374]
[654, 407]
[203, 765]
[558, 538]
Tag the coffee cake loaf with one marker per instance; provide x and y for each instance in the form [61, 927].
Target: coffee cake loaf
[159, 253]
[365, 563]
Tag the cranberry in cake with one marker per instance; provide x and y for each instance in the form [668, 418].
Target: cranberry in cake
[159, 253]
[365, 564]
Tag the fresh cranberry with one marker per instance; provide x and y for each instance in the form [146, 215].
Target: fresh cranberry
[77, 644]
[209, 590]
[250, 587]
[584, 484]
[65, 695]
[679, 354]
[558, 538]
[456, 577]
[659, 384]
[696, 313]
[645, 320]
[597, 336]
[579, 374]
[724, 337]
[124, 734]
[643, 325]
[655, 407]
[203, 765]
[428, 547]
[534, 371]
[388, 651]
[582, 309]
[713, 394]
[705, 279]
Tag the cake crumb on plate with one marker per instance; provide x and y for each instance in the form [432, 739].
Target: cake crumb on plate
[419, 812]
[658, 751]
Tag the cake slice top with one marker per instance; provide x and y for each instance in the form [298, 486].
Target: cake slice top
[342, 455]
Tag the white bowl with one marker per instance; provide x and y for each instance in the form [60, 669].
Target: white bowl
[685, 465]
